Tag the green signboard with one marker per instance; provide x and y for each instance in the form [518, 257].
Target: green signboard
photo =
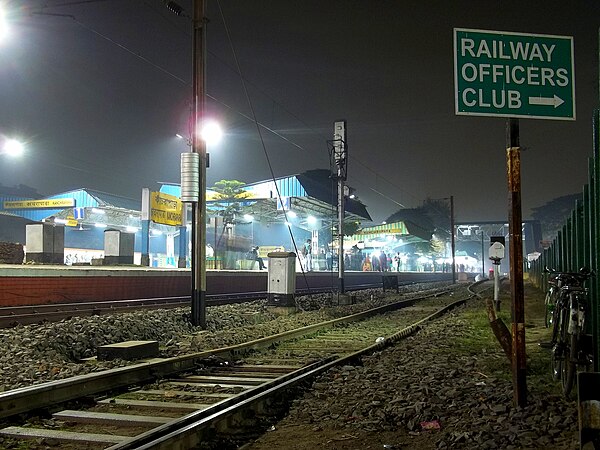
[506, 74]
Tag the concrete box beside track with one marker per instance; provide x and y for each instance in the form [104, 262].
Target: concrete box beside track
[281, 285]
[129, 350]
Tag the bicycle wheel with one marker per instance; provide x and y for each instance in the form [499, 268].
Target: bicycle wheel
[571, 341]
[547, 312]
[558, 335]
[570, 365]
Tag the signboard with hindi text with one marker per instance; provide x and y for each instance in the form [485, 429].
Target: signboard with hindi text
[507, 74]
[165, 209]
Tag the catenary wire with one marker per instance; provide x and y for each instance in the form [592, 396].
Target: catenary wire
[253, 120]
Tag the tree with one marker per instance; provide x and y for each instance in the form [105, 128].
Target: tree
[438, 212]
[228, 196]
[227, 203]
[553, 215]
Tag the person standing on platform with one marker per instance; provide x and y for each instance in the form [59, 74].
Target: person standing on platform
[307, 253]
[375, 261]
[257, 258]
[383, 261]
[367, 264]
[329, 258]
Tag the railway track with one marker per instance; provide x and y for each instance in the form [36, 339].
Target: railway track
[32, 314]
[180, 402]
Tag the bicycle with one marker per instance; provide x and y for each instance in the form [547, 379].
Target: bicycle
[570, 343]
[551, 295]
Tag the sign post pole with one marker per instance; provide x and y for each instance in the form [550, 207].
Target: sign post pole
[506, 74]
[519, 363]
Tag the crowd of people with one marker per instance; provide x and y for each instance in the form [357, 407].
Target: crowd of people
[378, 261]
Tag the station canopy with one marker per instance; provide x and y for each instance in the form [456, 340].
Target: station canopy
[95, 207]
[391, 235]
[312, 192]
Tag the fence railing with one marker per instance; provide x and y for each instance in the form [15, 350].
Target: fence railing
[577, 244]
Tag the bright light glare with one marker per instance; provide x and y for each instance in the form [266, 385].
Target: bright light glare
[248, 218]
[3, 25]
[131, 229]
[98, 211]
[311, 220]
[211, 132]
[292, 214]
[100, 225]
[12, 147]
[156, 232]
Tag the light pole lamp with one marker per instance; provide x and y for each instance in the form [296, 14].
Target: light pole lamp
[198, 146]
[193, 168]
[13, 147]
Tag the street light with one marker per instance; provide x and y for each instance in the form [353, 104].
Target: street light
[13, 147]
[211, 132]
[3, 24]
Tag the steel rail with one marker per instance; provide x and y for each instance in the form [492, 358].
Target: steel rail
[43, 395]
[188, 431]
[32, 314]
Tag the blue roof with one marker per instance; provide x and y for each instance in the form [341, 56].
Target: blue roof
[83, 198]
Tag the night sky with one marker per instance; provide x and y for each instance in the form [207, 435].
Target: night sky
[99, 89]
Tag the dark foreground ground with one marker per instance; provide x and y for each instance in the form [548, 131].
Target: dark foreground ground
[449, 386]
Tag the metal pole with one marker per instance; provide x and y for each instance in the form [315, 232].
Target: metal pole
[453, 239]
[198, 146]
[340, 149]
[482, 257]
[341, 206]
[519, 363]
[497, 285]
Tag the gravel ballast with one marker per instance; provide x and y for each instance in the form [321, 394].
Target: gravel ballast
[425, 392]
[34, 354]
[428, 393]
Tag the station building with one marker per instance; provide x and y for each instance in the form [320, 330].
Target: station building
[306, 211]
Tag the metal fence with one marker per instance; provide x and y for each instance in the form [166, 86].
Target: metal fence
[577, 244]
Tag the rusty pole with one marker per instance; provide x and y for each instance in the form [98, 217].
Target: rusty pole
[513, 159]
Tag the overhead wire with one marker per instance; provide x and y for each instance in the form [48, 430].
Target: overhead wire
[266, 153]
[222, 103]
[291, 114]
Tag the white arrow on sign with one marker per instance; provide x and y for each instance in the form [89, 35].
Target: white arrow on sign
[555, 101]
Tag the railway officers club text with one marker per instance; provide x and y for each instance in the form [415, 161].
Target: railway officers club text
[525, 64]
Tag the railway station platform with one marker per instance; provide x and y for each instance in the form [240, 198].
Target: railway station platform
[46, 284]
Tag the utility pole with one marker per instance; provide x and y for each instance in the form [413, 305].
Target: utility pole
[198, 268]
[340, 157]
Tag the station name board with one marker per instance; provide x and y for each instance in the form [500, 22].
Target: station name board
[40, 204]
[165, 209]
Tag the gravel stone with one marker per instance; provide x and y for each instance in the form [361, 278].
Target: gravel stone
[34, 354]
